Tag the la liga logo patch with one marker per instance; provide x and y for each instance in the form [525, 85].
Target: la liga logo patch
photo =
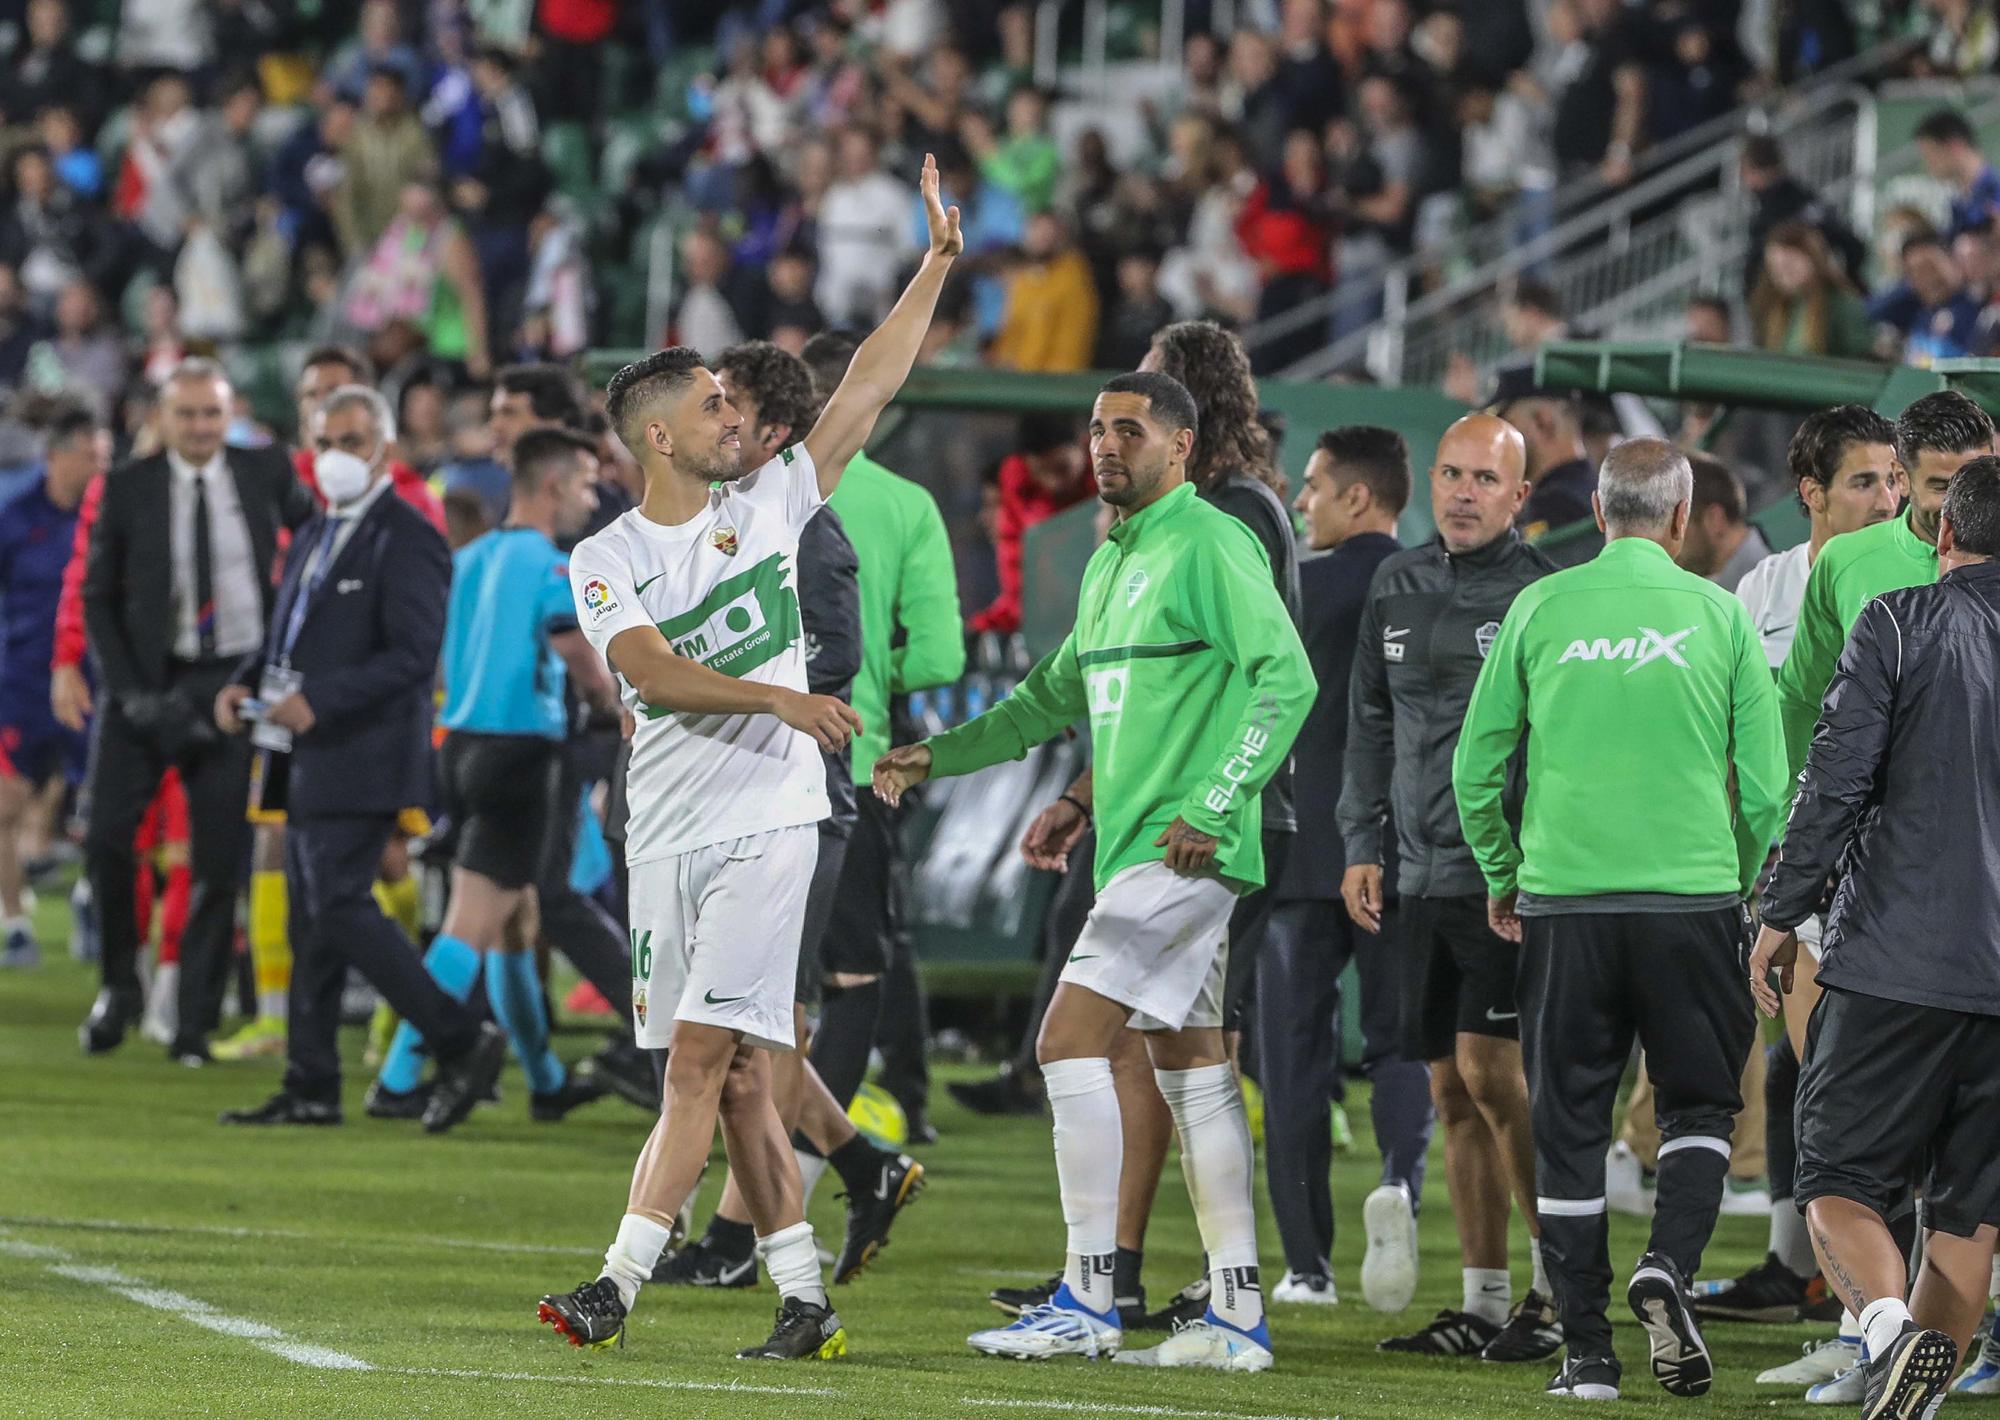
[598, 601]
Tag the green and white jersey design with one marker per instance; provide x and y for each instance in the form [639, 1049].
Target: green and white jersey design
[723, 589]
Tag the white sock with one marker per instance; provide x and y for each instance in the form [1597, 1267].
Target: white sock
[634, 1254]
[1850, 1326]
[792, 1259]
[1994, 1289]
[166, 982]
[1881, 1321]
[812, 1168]
[1220, 1165]
[1791, 1243]
[1090, 1154]
[271, 1005]
[1489, 1293]
[1540, 1280]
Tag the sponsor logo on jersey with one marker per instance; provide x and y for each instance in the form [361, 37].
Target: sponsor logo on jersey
[1641, 650]
[1135, 586]
[598, 602]
[1105, 691]
[1393, 643]
[744, 622]
[1484, 636]
[723, 540]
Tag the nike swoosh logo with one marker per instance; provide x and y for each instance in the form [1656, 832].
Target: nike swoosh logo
[640, 588]
[1087, 956]
[728, 1275]
[1395, 634]
[1493, 1015]
[1778, 626]
[714, 1000]
[882, 1187]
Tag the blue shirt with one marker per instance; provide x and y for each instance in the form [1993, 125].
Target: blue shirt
[1977, 205]
[35, 540]
[509, 595]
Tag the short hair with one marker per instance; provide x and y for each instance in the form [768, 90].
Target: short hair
[344, 355]
[72, 421]
[197, 367]
[541, 451]
[827, 356]
[661, 373]
[1917, 240]
[1045, 431]
[1945, 125]
[1761, 151]
[1371, 454]
[1536, 295]
[1165, 396]
[1825, 437]
[777, 379]
[552, 392]
[367, 397]
[1641, 483]
[1972, 507]
[1716, 304]
[1717, 486]
[1944, 422]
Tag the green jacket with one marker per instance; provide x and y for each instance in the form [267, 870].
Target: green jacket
[908, 585]
[1193, 677]
[1850, 572]
[1641, 686]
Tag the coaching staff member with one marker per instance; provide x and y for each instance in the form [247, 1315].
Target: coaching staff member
[357, 626]
[177, 591]
[1898, 1084]
[1642, 687]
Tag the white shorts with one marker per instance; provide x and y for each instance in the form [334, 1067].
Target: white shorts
[715, 937]
[1157, 942]
[1809, 932]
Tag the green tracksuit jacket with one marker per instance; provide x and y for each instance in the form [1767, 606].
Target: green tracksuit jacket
[1192, 674]
[1850, 572]
[1641, 686]
[909, 585]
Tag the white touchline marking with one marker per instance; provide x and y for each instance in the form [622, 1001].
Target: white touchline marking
[1002, 1274]
[110, 1225]
[1100, 1408]
[645, 1382]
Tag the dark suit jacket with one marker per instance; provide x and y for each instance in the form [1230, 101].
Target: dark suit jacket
[128, 584]
[1333, 589]
[368, 655]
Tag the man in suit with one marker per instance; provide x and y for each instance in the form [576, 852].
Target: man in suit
[345, 670]
[1357, 484]
[178, 590]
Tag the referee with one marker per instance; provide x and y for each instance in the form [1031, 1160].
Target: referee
[1643, 688]
[1897, 1085]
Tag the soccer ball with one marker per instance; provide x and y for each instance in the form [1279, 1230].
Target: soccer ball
[876, 1113]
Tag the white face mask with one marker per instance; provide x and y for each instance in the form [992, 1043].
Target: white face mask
[342, 476]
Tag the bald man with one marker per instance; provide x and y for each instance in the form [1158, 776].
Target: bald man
[1430, 619]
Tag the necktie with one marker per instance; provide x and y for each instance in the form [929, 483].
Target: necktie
[309, 585]
[204, 570]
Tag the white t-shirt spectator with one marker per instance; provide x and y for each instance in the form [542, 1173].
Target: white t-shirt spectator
[862, 241]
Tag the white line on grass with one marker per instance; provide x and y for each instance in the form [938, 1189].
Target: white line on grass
[647, 1382]
[111, 1225]
[1096, 1407]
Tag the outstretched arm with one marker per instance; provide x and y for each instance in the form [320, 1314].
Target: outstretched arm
[883, 361]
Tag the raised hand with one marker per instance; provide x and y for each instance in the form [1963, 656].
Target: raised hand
[946, 239]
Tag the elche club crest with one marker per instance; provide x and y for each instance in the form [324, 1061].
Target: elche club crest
[1484, 637]
[723, 540]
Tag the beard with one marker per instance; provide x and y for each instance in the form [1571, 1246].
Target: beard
[718, 465]
[1141, 483]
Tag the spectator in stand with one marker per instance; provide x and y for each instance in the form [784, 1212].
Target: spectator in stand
[18, 329]
[84, 356]
[166, 128]
[713, 311]
[571, 35]
[1253, 100]
[1591, 70]
[1206, 273]
[1560, 476]
[935, 106]
[309, 171]
[1286, 227]
[470, 470]
[1139, 311]
[1309, 77]
[420, 429]
[1051, 320]
[423, 272]
[49, 236]
[1507, 164]
[1048, 472]
[862, 240]
[1699, 84]
[1951, 154]
[990, 216]
[508, 183]
[77, 164]
[791, 316]
[1776, 197]
[1721, 544]
[386, 152]
[47, 69]
[1933, 314]
[1966, 40]
[377, 45]
[1026, 162]
[1803, 303]
[224, 168]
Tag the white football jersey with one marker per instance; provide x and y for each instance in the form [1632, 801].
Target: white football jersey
[1773, 591]
[723, 589]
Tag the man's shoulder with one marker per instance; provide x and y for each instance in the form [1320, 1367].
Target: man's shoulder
[403, 519]
[1848, 550]
[1395, 571]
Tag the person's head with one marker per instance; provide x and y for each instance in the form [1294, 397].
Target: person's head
[167, 96]
[352, 436]
[327, 368]
[78, 309]
[773, 391]
[554, 481]
[790, 274]
[1796, 259]
[492, 70]
[1976, 252]
[1843, 462]
[827, 356]
[855, 153]
[1645, 488]
[195, 405]
[1027, 112]
[242, 101]
[1531, 313]
[380, 27]
[1709, 321]
[465, 517]
[34, 175]
[1388, 26]
[1969, 524]
[48, 22]
[1717, 522]
[58, 126]
[336, 124]
[670, 411]
[1761, 163]
[1139, 275]
[1357, 480]
[1044, 236]
[1930, 270]
[1201, 60]
[385, 95]
[1935, 437]
[1550, 428]
[1478, 482]
[421, 413]
[1048, 445]
[78, 449]
[527, 395]
[1383, 106]
[1252, 59]
[1950, 151]
[1212, 365]
[704, 259]
[1476, 98]
[1303, 161]
[1142, 432]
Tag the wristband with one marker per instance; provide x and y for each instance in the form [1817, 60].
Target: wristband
[1074, 802]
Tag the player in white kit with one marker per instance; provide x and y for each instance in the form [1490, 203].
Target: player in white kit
[693, 598]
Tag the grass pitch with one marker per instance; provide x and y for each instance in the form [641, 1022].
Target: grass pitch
[156, 1264]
